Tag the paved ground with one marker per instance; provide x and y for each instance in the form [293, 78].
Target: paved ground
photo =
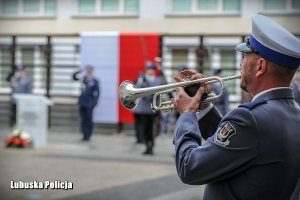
[110, 167]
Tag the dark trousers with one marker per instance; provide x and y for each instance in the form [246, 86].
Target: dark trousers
[157, 124]
[86, 115]
[13, 117]
[147, 121]
[139, 128]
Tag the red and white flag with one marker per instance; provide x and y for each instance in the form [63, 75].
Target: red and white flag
[116, 57]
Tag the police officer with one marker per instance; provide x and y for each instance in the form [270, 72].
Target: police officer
[253, 151]
[20, 84]
[87, 101]
[144, 116]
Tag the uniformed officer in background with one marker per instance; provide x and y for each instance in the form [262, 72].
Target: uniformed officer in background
[253, 151]
[158, 116]
[87, 101]
[20, 83]
[144, 116]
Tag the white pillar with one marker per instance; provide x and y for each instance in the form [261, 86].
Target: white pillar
[216, 59]
[37, 70]
[192, 58]
[18, 55]
[167, 62]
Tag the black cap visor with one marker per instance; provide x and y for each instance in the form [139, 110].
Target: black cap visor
[243, 47]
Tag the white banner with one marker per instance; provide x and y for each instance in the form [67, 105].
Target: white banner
[101, 50]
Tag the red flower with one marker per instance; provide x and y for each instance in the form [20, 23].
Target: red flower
[17, 141]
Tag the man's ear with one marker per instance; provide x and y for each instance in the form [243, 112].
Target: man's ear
[261, 67]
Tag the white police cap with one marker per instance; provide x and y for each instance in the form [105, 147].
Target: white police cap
[273, 42]
[89, 67]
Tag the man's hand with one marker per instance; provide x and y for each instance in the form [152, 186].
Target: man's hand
[182, 101]
[191, 74]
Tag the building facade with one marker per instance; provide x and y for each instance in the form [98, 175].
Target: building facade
[197, 33]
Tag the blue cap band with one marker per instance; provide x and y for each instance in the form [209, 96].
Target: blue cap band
[274, 56]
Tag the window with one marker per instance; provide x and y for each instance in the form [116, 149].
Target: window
[27, 55]
[108, 7]
[9, 6]
[131, 6]
[181, 5]
[28, 59]
[224, 58]
[50, 7]
[275, 4]
[228, 62]
[5, 63]
[86, 6]
[282, 6]
[205, 6]
[232, 5]
[179, 57]
[296, 4]
[33, 8]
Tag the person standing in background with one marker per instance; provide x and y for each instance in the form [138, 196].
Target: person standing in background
[87, 101]
[159, 118]
[20, 84]
[145, 120]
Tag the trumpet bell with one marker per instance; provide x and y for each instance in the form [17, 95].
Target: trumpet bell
[125, 94]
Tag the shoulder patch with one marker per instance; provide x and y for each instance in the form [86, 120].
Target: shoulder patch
[224, 132]
[252, 104]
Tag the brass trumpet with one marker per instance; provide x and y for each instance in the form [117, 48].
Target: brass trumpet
[129, 94]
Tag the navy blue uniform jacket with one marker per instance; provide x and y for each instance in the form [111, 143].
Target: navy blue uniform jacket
[90, 93]
[251, 153]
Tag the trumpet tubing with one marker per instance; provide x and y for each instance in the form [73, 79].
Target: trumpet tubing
[129, 94]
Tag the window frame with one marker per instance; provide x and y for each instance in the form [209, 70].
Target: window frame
[198, 12]
[22, 14]
[100, 13]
